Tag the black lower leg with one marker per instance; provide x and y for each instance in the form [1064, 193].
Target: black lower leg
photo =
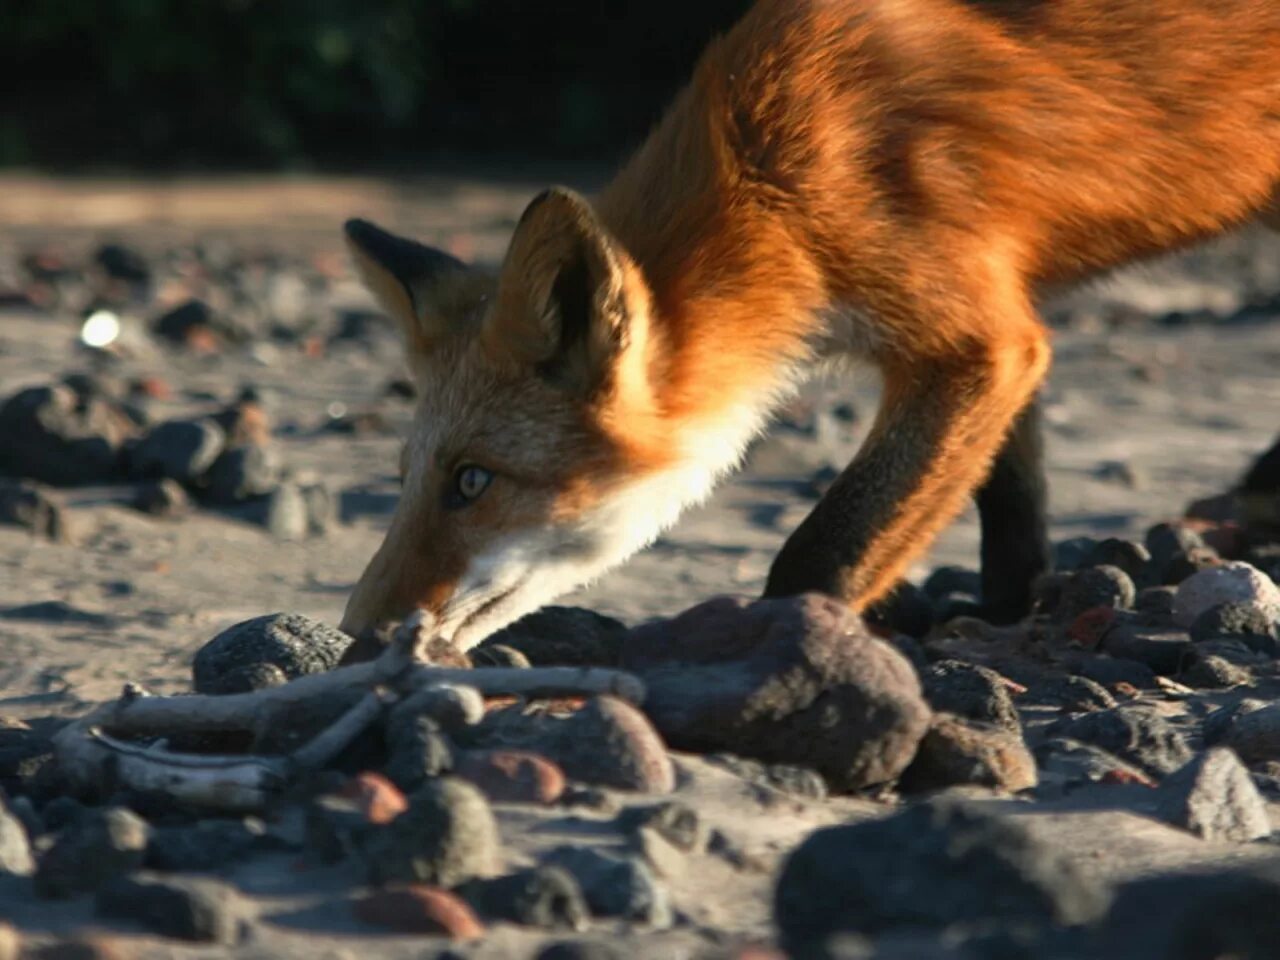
[1012, 507]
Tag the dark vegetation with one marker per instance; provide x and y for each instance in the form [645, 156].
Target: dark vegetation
[337, 83]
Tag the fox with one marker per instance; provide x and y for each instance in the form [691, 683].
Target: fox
[896, 183]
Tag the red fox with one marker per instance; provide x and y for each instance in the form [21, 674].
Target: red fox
[897, 181]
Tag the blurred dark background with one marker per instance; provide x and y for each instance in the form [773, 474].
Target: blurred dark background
[339, 84]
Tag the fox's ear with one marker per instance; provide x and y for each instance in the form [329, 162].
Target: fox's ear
[564, 302]
[413, 283]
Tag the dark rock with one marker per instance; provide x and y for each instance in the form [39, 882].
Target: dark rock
[1111, 672]
[192, 322]
[447, 837]
[23, 752]
[1207, 672]
[199, 909]
[1046, 592]
[1195, 916]
[62, 811]
[1214, 798]
[1165, 651]
[546, 897]
[51, 436]
[1072, 694]
[99, 846]
[1165, 541]
[968, 690]
[122, 263]
[955, 752]
[945, 581]
[1133, 558]
[581, 950]
[563, 636]
[1249, 621]
[1069, 763]
[203, 846]
[1252, 732]
[24, 504]
[797, 781]
[1091, 587]
[336, 828]
[1069, 555]
[1217, 725]
[615, 886]
[1136, 734]
[241, 473]
[15, 844]
[295, 644]
[907, 610]
[795, 680]
[933, 865]
[162, 498]
[180, 450]
[607, 743]
[678, 823]
[1188, 563]
[1155, 604]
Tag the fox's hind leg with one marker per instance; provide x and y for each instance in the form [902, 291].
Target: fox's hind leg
[1012, 508]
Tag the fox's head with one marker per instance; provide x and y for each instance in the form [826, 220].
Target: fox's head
[537, 457]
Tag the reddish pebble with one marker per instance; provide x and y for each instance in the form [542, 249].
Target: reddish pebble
[153, 387]
[202, 340]
[1123, 688]
[512, 776]
[380, 800]
[420, 909]
[1088, 629]
[1126, 778]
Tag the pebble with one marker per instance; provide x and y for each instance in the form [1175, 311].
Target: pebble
[546, 897]
[935, 864]
[582, 950]
[1254, 734]
[1073, 694]
[241, 473]
[1249, 621]
[1214, 797]
[15, 845]
[1133, 733]
[606, 743]
[1070, 554]
[1156, 604]
[1165, 651]
[615, 886]
[957, 751]
[1165, 541]
[789, 779]
[1232, 582]
[179, 450]
[24, 752]
[797, 680]
[198, 909]
[287, 517]
[1105, 586]
[563, 636]
[1209, 672]
[297, 645]
[377, 799]
[972, 691]
[447, 837]
[204, 845]
[419, 750]
[1190, 562]
[1133, 558]
[25, 504]
[98, 846]
[512, 776]
[678, 823]
[162, 498]
[1063, 762]
[420, 909]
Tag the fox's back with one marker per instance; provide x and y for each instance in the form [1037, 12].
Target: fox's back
[1082, 132]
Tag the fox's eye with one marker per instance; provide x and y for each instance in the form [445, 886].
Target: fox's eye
[471, 481]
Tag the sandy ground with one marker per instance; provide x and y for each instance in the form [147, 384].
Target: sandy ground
[1181, 408]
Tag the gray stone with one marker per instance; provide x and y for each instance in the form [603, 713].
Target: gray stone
[1066, 763]
[1136, 734]
[53, 435]
[297, 645]
[1208, 672]
[204, 845]
[1214, 797]
[1090, 587]
[933, 865]
[972, 691]
[797, 680]
[563, 636]
[546, 897]
[199, 909]
[286, 512]
[1232, 582]
[1249, 622]
[162, 498]
[447, 837]
[241, 473]
[100, 845]
[1073, 694]
[615, 886]
[25, 504]
[677, 822]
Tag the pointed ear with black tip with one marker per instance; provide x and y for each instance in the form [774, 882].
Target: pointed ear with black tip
[413, 283]
[567, 296]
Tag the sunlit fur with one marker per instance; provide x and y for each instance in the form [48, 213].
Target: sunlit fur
[896, 179]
